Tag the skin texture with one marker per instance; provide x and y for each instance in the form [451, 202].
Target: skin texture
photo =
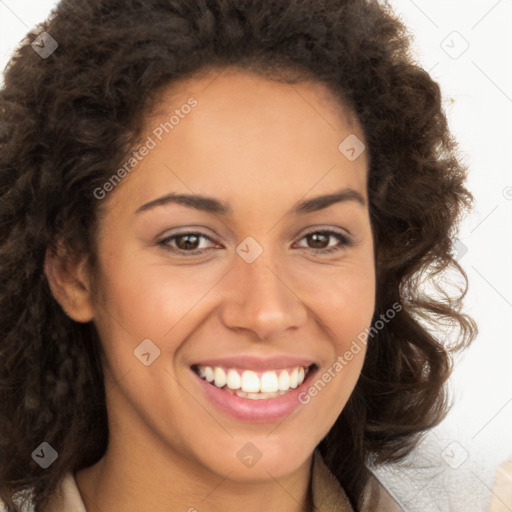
[260, 146]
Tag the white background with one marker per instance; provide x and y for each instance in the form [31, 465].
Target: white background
[467, 47]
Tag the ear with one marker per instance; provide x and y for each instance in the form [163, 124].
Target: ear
[69, 281]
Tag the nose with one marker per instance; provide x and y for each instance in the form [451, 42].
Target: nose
[262, 299]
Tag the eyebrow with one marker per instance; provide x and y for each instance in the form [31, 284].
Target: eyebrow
[212, 205]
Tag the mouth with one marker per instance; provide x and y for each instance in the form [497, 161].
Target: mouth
[253, 389]
[251, 384]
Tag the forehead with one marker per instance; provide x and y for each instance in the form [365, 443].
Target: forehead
[231, 85]
[244, 136]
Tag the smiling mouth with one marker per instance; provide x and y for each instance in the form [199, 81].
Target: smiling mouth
[251, 384]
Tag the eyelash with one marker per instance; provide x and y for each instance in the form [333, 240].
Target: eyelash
[344, 239]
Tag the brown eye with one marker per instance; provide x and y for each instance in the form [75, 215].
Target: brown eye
[318, 241]
[186, 243]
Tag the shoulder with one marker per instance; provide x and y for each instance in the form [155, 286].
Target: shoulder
[501, 497]
[377, 499]
[65, 498]
[328, 496]
[326, 492]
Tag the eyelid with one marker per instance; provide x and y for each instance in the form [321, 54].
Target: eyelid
[326, 229]
[199, 230]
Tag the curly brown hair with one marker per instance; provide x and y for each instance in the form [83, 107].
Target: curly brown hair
[69, 119]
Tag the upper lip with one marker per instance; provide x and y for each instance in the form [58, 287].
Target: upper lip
[257, 363]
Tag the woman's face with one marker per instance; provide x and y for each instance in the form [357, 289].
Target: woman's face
[241, 287]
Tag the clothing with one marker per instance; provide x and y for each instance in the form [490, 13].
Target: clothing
[501, 497]
[328, 496]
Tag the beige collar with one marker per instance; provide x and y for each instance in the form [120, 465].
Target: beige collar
[328, 496]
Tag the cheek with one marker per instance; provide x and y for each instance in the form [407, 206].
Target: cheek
[344, 298]
[347, 313]
[351, 311]
[346, 307]
[148, 300]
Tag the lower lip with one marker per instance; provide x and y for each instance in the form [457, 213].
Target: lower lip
[255, 411]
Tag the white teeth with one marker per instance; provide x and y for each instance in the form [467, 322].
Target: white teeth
[269, 382]
[250, 382]
[234, 380]
[284, 381]
[220, 377]
[208, 373]
[247, 383]
[294, 376]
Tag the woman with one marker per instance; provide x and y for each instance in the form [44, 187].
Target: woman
[180, 331]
